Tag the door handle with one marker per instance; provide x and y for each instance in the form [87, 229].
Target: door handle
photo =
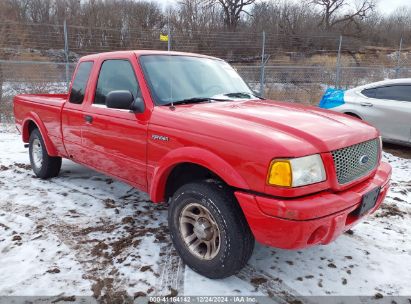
[366, 104]
[88, 118]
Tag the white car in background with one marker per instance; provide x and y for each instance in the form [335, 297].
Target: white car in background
[385, 104]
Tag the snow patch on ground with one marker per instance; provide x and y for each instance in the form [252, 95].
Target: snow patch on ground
[85, 234]
[11, 89]
[35, 262]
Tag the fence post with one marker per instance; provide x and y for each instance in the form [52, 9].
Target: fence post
[1, 81]
[169, 38]
[168, 32]
[66, 52]
[398, 69]
[262, 72]
[338, 67]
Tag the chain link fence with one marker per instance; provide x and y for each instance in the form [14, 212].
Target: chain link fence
[30, 77]
[40, 58]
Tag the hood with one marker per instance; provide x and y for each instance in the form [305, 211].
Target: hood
[298, 129]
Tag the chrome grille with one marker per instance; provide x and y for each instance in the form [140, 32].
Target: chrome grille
[350, 161]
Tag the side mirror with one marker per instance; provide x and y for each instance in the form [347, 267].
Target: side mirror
[137, 106]
[119, 100]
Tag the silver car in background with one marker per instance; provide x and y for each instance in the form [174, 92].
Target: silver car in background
[385, 104]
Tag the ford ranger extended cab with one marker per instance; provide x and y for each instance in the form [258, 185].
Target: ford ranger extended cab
[233, 167]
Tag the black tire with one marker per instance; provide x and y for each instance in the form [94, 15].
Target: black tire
[50, 166]
[236, 242]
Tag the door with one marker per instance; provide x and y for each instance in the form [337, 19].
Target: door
[115, 139]
[72, 113]
[389, 109]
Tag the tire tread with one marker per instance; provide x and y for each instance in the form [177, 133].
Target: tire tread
[51, 165]
[223, 198]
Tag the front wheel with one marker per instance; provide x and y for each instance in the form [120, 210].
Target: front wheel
[209, 230]
[43, 165]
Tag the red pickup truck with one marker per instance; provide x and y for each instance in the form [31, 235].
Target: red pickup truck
[233, 167]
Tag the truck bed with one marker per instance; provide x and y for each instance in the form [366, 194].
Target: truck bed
[48, 99]
[45, 109]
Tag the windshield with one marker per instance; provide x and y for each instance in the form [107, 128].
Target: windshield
[181, 78]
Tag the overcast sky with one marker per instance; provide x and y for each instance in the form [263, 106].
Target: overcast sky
[384, 6]
[388, 6]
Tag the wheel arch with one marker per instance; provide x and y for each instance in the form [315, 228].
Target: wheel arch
[353, 114]
[179, 162]
[32, 122]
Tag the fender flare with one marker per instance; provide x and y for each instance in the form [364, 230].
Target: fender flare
[33, 117]
[194, 155]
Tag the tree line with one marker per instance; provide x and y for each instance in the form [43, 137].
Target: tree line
[358, 19]
[230, 29]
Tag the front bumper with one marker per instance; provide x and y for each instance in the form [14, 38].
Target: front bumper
[310, 220]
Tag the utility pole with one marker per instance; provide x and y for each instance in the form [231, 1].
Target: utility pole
[262, 72]
[399, 60]
[66, 52]
[338, 69]
[169, 32]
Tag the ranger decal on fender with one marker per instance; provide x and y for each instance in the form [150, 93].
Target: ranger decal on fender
[159, 137]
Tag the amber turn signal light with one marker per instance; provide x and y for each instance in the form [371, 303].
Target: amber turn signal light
[280, 173]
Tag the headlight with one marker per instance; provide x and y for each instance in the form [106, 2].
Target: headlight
[296, 172]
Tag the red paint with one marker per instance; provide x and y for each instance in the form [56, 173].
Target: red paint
[294, 228]
[235, 140]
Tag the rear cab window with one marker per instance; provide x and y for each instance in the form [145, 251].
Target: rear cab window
[80, 82]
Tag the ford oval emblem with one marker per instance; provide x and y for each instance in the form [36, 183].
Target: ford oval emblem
[364, 159]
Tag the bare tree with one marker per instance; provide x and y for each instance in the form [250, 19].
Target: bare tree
[232, 10]
[119, 24]
[143, 15]
[1, 82]
[39, 11]
[287, 18]
[336, 12]
[196, 16]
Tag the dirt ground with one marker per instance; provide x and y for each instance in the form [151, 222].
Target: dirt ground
[85, 234]
[397, 150]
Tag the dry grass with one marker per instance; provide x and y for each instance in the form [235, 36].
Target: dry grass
[6, 111]
[365, 57]
[309, 95]
[328, 61]
[31, 72]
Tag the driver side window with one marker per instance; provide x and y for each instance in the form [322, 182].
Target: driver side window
[115, 75]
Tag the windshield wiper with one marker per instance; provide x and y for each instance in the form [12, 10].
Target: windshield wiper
[193, 100]
[242, 95]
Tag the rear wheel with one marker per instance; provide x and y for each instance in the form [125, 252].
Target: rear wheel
[43, 165]
[209, 230]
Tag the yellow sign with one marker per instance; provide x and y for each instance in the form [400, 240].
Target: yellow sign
[164, 38]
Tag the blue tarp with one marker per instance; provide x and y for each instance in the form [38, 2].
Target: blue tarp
[332, 98]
